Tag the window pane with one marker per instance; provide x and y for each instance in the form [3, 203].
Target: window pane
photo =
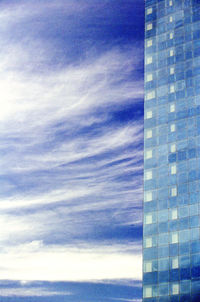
[148, 154]
[149, 60]
[148, 267]
[172, 70]
[172, 107]
[174, 263]
[149, 43]
[149, 77]
[174, 238]
[148, 219]
[148, 175]
[172, 88]
[149, 114]
[173, 169]
[150, 95]
[174, 191]
[149, 26]
[173, 148]
[149, 133]
[148, 292]
[148, 242]
[174, 214]
[149, 11]
[148, 196]
[175, 289]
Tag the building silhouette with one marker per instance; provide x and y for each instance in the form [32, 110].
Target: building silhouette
[171, 245]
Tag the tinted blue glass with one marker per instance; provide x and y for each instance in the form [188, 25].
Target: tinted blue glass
[172, 44]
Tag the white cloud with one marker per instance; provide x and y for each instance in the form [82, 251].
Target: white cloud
[30, 106]
[22, 10]
[47, 190]
[80, 148]
[60, 263]
[52, 197]
[64, 94]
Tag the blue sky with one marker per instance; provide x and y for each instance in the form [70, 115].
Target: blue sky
[71, 146]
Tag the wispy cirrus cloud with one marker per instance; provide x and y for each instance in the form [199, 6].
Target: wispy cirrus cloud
[71, 149]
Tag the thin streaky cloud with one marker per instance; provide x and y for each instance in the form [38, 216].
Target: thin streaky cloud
[71, 146]
[31, 292]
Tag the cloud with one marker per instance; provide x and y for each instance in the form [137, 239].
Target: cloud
[30, 292]
[77, 90]
[71, 169]
[47, 146]
[59, 263]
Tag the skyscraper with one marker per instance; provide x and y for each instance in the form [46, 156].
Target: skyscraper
[171, 253]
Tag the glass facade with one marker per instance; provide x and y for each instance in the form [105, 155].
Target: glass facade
[171, 251]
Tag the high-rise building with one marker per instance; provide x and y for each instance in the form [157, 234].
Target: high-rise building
[171, 252]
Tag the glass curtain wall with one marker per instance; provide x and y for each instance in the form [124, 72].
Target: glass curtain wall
[171, 241]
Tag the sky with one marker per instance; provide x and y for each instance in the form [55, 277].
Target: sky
[71, 150]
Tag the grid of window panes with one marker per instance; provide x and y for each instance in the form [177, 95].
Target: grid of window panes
[171, 251]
